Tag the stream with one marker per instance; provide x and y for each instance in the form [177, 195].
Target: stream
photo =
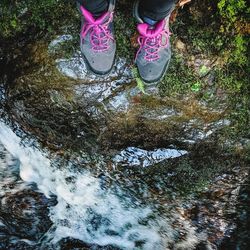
[84, 209]
[49, 204]
[89, 163]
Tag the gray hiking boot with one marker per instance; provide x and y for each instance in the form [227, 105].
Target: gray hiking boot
[153, 56]
[97, 40]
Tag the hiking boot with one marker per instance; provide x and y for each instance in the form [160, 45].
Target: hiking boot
[97, 40]
[153, 56]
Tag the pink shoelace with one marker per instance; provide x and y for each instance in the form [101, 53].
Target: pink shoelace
[150, 40]
[100, 34]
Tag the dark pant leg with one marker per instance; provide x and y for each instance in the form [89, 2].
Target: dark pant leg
[156, 9]
[95, 6]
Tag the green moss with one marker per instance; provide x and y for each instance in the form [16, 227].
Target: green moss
[216, 28]
[234, 80]
[180, 79]
[216, 31]
[124, 30]
[233, 15]
[230, 9]
[23, 16]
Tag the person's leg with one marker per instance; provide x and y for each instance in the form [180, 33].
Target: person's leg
[156, 9]
[96, 7]
[97, 35]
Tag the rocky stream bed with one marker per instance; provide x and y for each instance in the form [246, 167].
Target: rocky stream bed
[89, 162]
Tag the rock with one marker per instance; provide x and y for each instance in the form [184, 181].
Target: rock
[132, 156]
[214, 211]
[13, 243]
[110, 109]
[106, 119]
[58, 41]
[74, 244]
[76, 68]
[25, 213]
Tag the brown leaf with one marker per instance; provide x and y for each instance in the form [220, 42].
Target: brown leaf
[133, 41]
[183, 2]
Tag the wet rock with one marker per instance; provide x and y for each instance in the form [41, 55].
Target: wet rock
[80, 108]
[76, 68]
[74, 244]
[58, 41]
[214, 211]
[12, 243]
[66, 106]
[132, 156]
[240, 238]
[25, 213]
[3, 239]
[159, 127]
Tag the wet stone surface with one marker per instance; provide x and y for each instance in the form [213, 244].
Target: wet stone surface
[108, 111]
[137, 157]
[160, 152]
[214, 211]
[69, 243]
[25, 212]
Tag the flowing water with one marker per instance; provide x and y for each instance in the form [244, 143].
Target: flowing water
[84, 209]
[47, 203]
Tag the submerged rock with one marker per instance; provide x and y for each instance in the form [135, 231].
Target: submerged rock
[74, 244]
[15, 244]
[25, 213]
